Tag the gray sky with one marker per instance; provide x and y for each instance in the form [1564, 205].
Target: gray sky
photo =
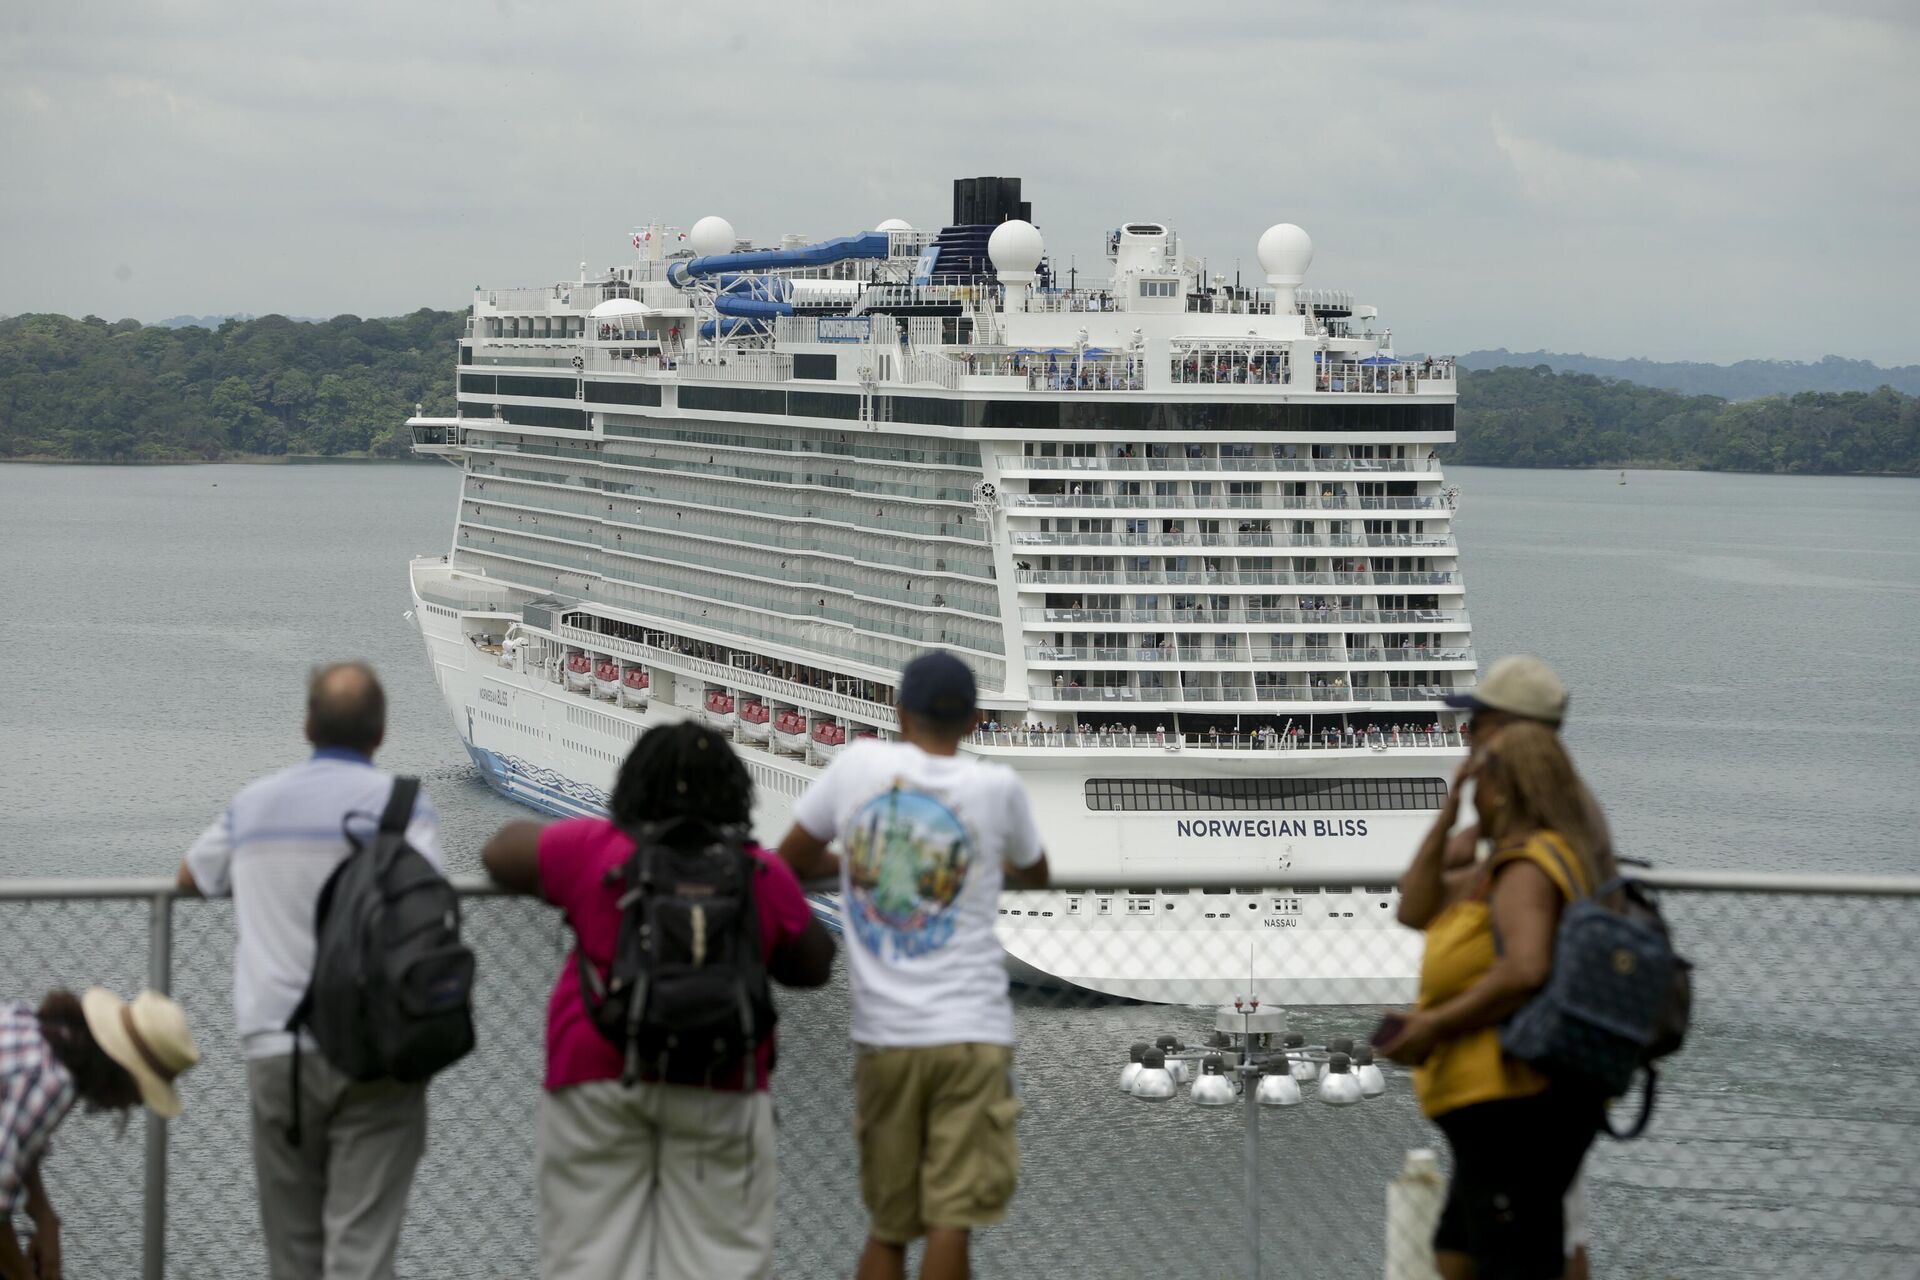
[1673, 180]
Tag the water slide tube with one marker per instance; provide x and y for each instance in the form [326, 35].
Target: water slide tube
[744, 296]
[868, 244]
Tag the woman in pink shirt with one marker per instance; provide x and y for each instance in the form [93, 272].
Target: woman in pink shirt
[653, 1179]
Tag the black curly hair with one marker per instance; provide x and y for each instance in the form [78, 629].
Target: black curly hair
[101, 1083]
[679, 770]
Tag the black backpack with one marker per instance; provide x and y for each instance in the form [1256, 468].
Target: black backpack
[686, 999]
[392, 991]
[1618, 1000]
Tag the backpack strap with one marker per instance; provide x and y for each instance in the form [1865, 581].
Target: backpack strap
[399, 810]
[1639, 1125]
[1572, 880]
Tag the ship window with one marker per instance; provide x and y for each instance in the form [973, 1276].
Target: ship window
[623, 393]
[824, 368]
[549, 388]
[733, 400]
[823, 404]
[1157, 288]
[479, 384]
[1189, 795]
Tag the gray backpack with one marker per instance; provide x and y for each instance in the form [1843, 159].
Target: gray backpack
[1619, 997]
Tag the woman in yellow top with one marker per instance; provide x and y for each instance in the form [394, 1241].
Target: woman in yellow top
[1517, 1136]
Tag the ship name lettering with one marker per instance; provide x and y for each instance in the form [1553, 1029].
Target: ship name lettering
[498, 697]
[1266, 828]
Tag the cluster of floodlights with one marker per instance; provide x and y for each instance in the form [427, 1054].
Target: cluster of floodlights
[1247, 1039]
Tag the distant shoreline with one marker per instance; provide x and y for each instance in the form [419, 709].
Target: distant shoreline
[241, 459]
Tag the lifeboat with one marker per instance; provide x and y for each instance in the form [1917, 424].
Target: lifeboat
[606, 680]
[790, 731]
[579, 671]
[826, 740]
[633, 687]
[718, 708]
[754, 718]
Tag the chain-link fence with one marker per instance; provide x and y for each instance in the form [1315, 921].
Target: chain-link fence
[1786, 1140]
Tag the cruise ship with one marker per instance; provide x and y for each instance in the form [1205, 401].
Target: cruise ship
[1189, 531]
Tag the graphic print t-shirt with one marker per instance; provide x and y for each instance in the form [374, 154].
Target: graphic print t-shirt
[923, 838]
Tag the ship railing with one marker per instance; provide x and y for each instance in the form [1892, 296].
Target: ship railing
[1242, 654]
[1013, 463]
[738, 366]
[731, 676]
[1330, 692]
[1051, 301]
[1080, 619]
[1175, 538]
[1389, 379]
[1222, 365]
[1244, 303]
[1815, 1141]
[1187, 615]
[1293, 739]
[1222, 501]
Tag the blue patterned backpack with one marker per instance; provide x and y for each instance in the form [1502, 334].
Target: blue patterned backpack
[1618, 999]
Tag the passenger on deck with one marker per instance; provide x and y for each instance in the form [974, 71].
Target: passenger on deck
[96, 1049]
[653, 1179]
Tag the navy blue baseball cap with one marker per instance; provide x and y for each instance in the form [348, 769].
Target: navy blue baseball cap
[937, 685]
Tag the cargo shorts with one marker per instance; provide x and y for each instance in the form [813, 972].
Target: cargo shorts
[935, 1128]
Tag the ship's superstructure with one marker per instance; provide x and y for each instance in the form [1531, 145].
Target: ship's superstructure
[1190, 534]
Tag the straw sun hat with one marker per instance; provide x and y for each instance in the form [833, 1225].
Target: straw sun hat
[148, 1037]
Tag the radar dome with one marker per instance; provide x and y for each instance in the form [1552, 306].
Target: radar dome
[895, 224]
[714, 234]
[1285, 251]
[1015, 247]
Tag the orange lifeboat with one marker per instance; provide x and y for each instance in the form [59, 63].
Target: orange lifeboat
[634, 690]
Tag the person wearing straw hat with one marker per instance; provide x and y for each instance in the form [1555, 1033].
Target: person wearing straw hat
[97, 1049]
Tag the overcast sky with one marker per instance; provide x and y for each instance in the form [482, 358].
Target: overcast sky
[1673, 180]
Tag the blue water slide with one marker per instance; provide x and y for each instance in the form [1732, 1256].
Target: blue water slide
[868, 244]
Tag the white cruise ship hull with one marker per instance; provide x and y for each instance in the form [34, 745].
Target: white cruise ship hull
[556, 749]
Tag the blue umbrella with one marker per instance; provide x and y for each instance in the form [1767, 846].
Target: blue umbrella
[1026, 351]
[1091, 352]
[1054, 351]
[1379, 360]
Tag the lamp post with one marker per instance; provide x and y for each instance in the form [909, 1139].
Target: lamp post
[1251, 1051]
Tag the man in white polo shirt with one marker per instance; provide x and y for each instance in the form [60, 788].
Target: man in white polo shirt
[333, 1167]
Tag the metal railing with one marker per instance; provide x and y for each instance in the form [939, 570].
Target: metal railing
[1014, 463]
[1823, 1164]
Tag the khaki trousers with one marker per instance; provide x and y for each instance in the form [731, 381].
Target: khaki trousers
[655, 1182]
[332, 1207]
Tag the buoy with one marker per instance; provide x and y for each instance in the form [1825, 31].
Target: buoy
[1132, 1069]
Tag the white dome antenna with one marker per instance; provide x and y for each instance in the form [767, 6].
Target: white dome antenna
[1015, 248]
[1285, 253]
[895, 224]
[712, 234]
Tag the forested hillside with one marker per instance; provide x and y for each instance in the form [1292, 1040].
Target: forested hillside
[1539, 418]
[124, 392]
[1741, 380]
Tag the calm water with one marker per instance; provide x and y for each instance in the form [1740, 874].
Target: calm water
[1745, 686]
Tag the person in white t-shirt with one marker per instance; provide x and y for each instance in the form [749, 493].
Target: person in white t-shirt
[928, 837]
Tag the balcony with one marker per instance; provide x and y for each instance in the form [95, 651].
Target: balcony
[1012, 464]
[1217, 502]
[1281, 694]
[1177, 538]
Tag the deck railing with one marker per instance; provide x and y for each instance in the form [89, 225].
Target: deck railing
[1788, 1100]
